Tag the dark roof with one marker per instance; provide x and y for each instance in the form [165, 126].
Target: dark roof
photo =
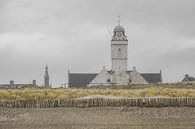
[188, 78]
[83, 79]
[14, 85]
[80, 79]
[152, 77]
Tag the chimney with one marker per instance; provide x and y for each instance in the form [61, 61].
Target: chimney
[34, 82]
[11, 82]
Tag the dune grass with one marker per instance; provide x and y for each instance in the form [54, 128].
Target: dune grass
[65, 94]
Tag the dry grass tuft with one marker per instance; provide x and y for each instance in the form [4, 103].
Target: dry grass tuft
[65, 94]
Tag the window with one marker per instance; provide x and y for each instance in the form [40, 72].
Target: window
[119, 52]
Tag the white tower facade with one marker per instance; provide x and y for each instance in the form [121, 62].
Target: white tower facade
[119, 56]
[119, 74]
[119, 49]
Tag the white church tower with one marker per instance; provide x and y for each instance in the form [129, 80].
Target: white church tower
[119, 55]
[119, 74]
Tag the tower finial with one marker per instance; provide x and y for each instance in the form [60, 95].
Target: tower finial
[118, 20]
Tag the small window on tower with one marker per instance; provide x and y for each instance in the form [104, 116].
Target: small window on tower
[119, 52]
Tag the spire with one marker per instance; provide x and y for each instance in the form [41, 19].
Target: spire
[118, 20]
[46, 70]
[46, 77]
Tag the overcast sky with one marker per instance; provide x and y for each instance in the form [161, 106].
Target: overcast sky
[74, 34]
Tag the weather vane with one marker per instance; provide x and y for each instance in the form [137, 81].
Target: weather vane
[119, 20]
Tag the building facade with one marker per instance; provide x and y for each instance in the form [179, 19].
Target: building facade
[119, 56]
[188, 78]
[119, 74]
[19, 85]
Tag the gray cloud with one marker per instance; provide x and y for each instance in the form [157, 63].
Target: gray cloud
[73, 35]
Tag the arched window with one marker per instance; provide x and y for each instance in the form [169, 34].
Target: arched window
[119, 52]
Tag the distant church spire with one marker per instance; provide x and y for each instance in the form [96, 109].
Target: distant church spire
[46, 77]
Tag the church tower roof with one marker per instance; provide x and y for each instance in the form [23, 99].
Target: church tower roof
[119, 32]
[119, 28]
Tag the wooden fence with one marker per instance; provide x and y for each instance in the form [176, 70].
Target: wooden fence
[103, 102]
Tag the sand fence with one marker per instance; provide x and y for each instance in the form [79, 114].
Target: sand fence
[103, 101]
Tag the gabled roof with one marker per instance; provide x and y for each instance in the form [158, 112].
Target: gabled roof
[83, 79]
[152, 77]
[188, 78]
[80, 79]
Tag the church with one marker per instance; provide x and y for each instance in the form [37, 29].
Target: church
[119, 74]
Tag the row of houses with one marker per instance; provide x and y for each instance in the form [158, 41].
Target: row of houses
[33, 84]
[22, 85]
